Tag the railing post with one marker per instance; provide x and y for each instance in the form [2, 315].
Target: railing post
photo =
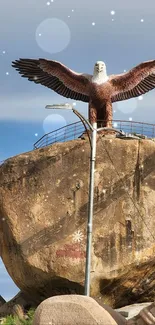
[47, 140]
[65, 135]
[74, 131]
[131, 127]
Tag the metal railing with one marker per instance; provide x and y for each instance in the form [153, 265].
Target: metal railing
[65, 133]
[139, 128]
[74, 131]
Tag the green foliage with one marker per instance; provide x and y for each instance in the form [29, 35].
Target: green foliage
[9, 320]
[14, 320]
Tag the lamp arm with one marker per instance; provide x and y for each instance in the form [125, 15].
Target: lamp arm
[84, 122]
[82, 117]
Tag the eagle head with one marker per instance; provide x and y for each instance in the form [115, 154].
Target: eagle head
[100, 73]
[99, 67]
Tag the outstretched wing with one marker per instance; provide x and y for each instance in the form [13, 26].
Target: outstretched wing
[133, 83]
[55, 76]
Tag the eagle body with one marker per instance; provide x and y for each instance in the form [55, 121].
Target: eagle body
[99, 90]
[100, 107]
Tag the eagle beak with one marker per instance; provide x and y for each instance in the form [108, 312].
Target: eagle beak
[99, 69]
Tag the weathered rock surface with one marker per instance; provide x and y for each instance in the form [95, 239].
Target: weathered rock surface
[145, 317]
[74, 309]
[131, 311]
[2, 301]
[17, 306]
[43, 214]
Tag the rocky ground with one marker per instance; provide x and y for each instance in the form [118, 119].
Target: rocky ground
[127, 311]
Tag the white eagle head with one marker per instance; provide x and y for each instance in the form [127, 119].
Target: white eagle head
[100, 73]
[100, 67]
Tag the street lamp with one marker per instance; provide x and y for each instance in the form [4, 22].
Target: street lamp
[94, 131]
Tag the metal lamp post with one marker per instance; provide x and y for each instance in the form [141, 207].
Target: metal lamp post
[94, 131]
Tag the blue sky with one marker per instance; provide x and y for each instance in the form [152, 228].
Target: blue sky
[77, 33]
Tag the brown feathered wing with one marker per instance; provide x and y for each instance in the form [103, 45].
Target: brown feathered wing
[134, 83]
[55, 76]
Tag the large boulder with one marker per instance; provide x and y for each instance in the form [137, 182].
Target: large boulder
[43, 216]
[75, 309]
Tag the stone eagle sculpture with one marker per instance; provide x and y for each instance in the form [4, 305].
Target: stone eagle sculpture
[99, 89]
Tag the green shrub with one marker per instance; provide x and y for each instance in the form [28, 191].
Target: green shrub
[10, 320]
[14, 320]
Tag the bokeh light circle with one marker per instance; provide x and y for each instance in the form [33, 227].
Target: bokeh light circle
[127, 106]
[53, 35]
[53, 122]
